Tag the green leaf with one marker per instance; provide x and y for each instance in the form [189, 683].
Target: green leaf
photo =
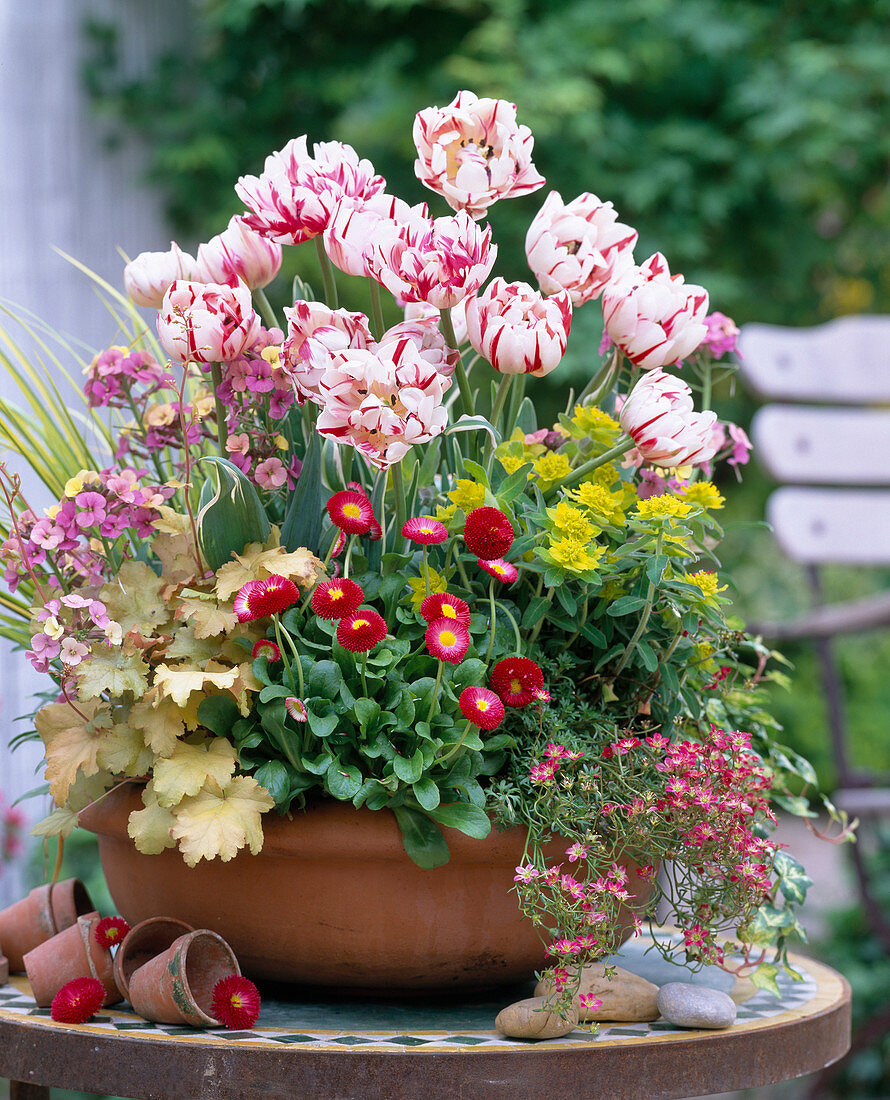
[275, 777]
[655, 567]
[470, 820]
[527, 418]
[342, 781]
[318, 765]
[513, 487]
[303, 520]
[793, 879]
[409, 771]
[764, 977]
[470, 673]
[427, 793]
[218, 713]
[536, 608]
[324, 680]
[322, 725]
[476, 472]
[367, 711]
[232, 517]
[625, 605]
[422, 838]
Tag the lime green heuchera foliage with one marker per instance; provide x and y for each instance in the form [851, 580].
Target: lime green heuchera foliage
[328, 559]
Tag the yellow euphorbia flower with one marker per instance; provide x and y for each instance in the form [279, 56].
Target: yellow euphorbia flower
[703, 493]
[467, 494]
[575, 555]
[572, 522]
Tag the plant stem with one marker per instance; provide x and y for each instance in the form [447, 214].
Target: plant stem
[601, 381]
[363, 670]
[644, 618]
[463, 738]
[517, 637]
[376, 309]
[463, 383]
[222, 428]
[347, 561]
[500, 399]
[426, 571]
[592, 464]
[398, 488]
[282, 649]
[259, 296]
[435, 696]
[327, 275]
[537, 629]
[493, 606]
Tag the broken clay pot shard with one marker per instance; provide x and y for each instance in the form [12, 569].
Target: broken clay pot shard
[626, 997]
[527, 1019]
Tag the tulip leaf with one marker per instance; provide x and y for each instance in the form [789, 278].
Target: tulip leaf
[305, 507]
[231, 516]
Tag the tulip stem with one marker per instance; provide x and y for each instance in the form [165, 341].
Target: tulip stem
[327, 275]
[592, 464]
[500, 399]
[259, 296]
[398, 488]
[222, 428]
[376, 309]
[463, 382]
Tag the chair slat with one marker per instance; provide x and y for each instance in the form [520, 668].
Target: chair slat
[807, 445]
[846, 361]
[842, 526]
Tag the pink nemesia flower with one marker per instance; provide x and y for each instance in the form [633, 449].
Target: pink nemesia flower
[517, 329]
[578, 246]
[315, 334]
[382, 402]
[659, 417]
[653, 317]
[271, 474]
[297, 194]
[207, 322]
[473, 153]
[238, 252]
[148, 278]
[722, 335]
[438, 261]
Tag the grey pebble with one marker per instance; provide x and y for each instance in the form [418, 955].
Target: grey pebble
[688, 1005]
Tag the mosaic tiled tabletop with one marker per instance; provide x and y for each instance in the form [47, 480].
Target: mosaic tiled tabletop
[449, 1026]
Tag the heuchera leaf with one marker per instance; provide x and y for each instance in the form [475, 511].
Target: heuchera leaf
[232, 517]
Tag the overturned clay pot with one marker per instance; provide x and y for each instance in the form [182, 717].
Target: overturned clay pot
[25, 925]
[176, 987]
[141, 944]
[73, 953]
[4, 969]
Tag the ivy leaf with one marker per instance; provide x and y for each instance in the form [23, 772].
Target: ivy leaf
[421, 837]
[793, 879]
[220, 820]
[764, 977]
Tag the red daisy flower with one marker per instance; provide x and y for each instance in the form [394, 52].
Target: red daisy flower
[266, 648]
[110, 931]
[336, 598]
[442, 606]
[501, 570]
[351, 512]
[375, 534]
[424, 530]
[361, 630]
[517, 680]
[339, 543]
[257, 599]
[236, 1002]
[77, 1001]
[448, 640]
[296, 708]
[488, 533]
[481, 706]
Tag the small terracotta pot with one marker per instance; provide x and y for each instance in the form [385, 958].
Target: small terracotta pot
[143, 943]
[69, 900]
[4, 969]
[176, 987]
[26, 924]
[73, 953]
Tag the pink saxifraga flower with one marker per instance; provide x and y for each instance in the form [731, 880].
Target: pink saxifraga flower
[517, 329]
[473, 153]
[315, 335]
[297, 194]
[238, 253]
[653, 316]
[207, 322]
[148, 278]
[579, 246]
[659, 417]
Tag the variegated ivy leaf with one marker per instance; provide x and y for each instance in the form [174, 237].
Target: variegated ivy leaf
[185, 772]
[222, 819]
[72, 742]
[134, 599]
[151, 828]
[179, 683]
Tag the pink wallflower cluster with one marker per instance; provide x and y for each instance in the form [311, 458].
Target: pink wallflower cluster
[71, 625]
[99, 506]
[114, 375]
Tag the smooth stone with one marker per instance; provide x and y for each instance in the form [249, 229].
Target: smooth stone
[523, 1020]
[627, 998]
[688, 1005]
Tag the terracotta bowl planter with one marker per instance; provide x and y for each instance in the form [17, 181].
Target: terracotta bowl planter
[333, 900]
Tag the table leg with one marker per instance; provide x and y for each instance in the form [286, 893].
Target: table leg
[20, 1090]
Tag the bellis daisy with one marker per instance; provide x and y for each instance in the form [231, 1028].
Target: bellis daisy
[110, 931]
[77, 1001]
[296, 708]
[361, 630]
[425, 531]
[351, 512]
[336, 598]
[236, 1002]
[257, 599]
[266, 648]
[448, 640]
[488, 533]
[481, 707]
[501, 570]
[517, 680]
[440, 605]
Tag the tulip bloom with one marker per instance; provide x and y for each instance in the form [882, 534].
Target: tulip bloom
[425, 334]
[659, 417]
[473, 153]
[148, 278]
[518, 330]
[315, 334]
[238, 253]
[207, 322]
[439, 261]
[578, 246]
[351, 230]
[652, 316]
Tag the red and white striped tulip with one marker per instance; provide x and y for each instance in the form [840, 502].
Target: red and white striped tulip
[425, 334]
[414, 310]
[517, 329]
[473, 153]
[207, 322]
[654, 317]
[148, 278]
[578, 246]
[351, 231]
[238, 253]
[659, 417]
[315, 335]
